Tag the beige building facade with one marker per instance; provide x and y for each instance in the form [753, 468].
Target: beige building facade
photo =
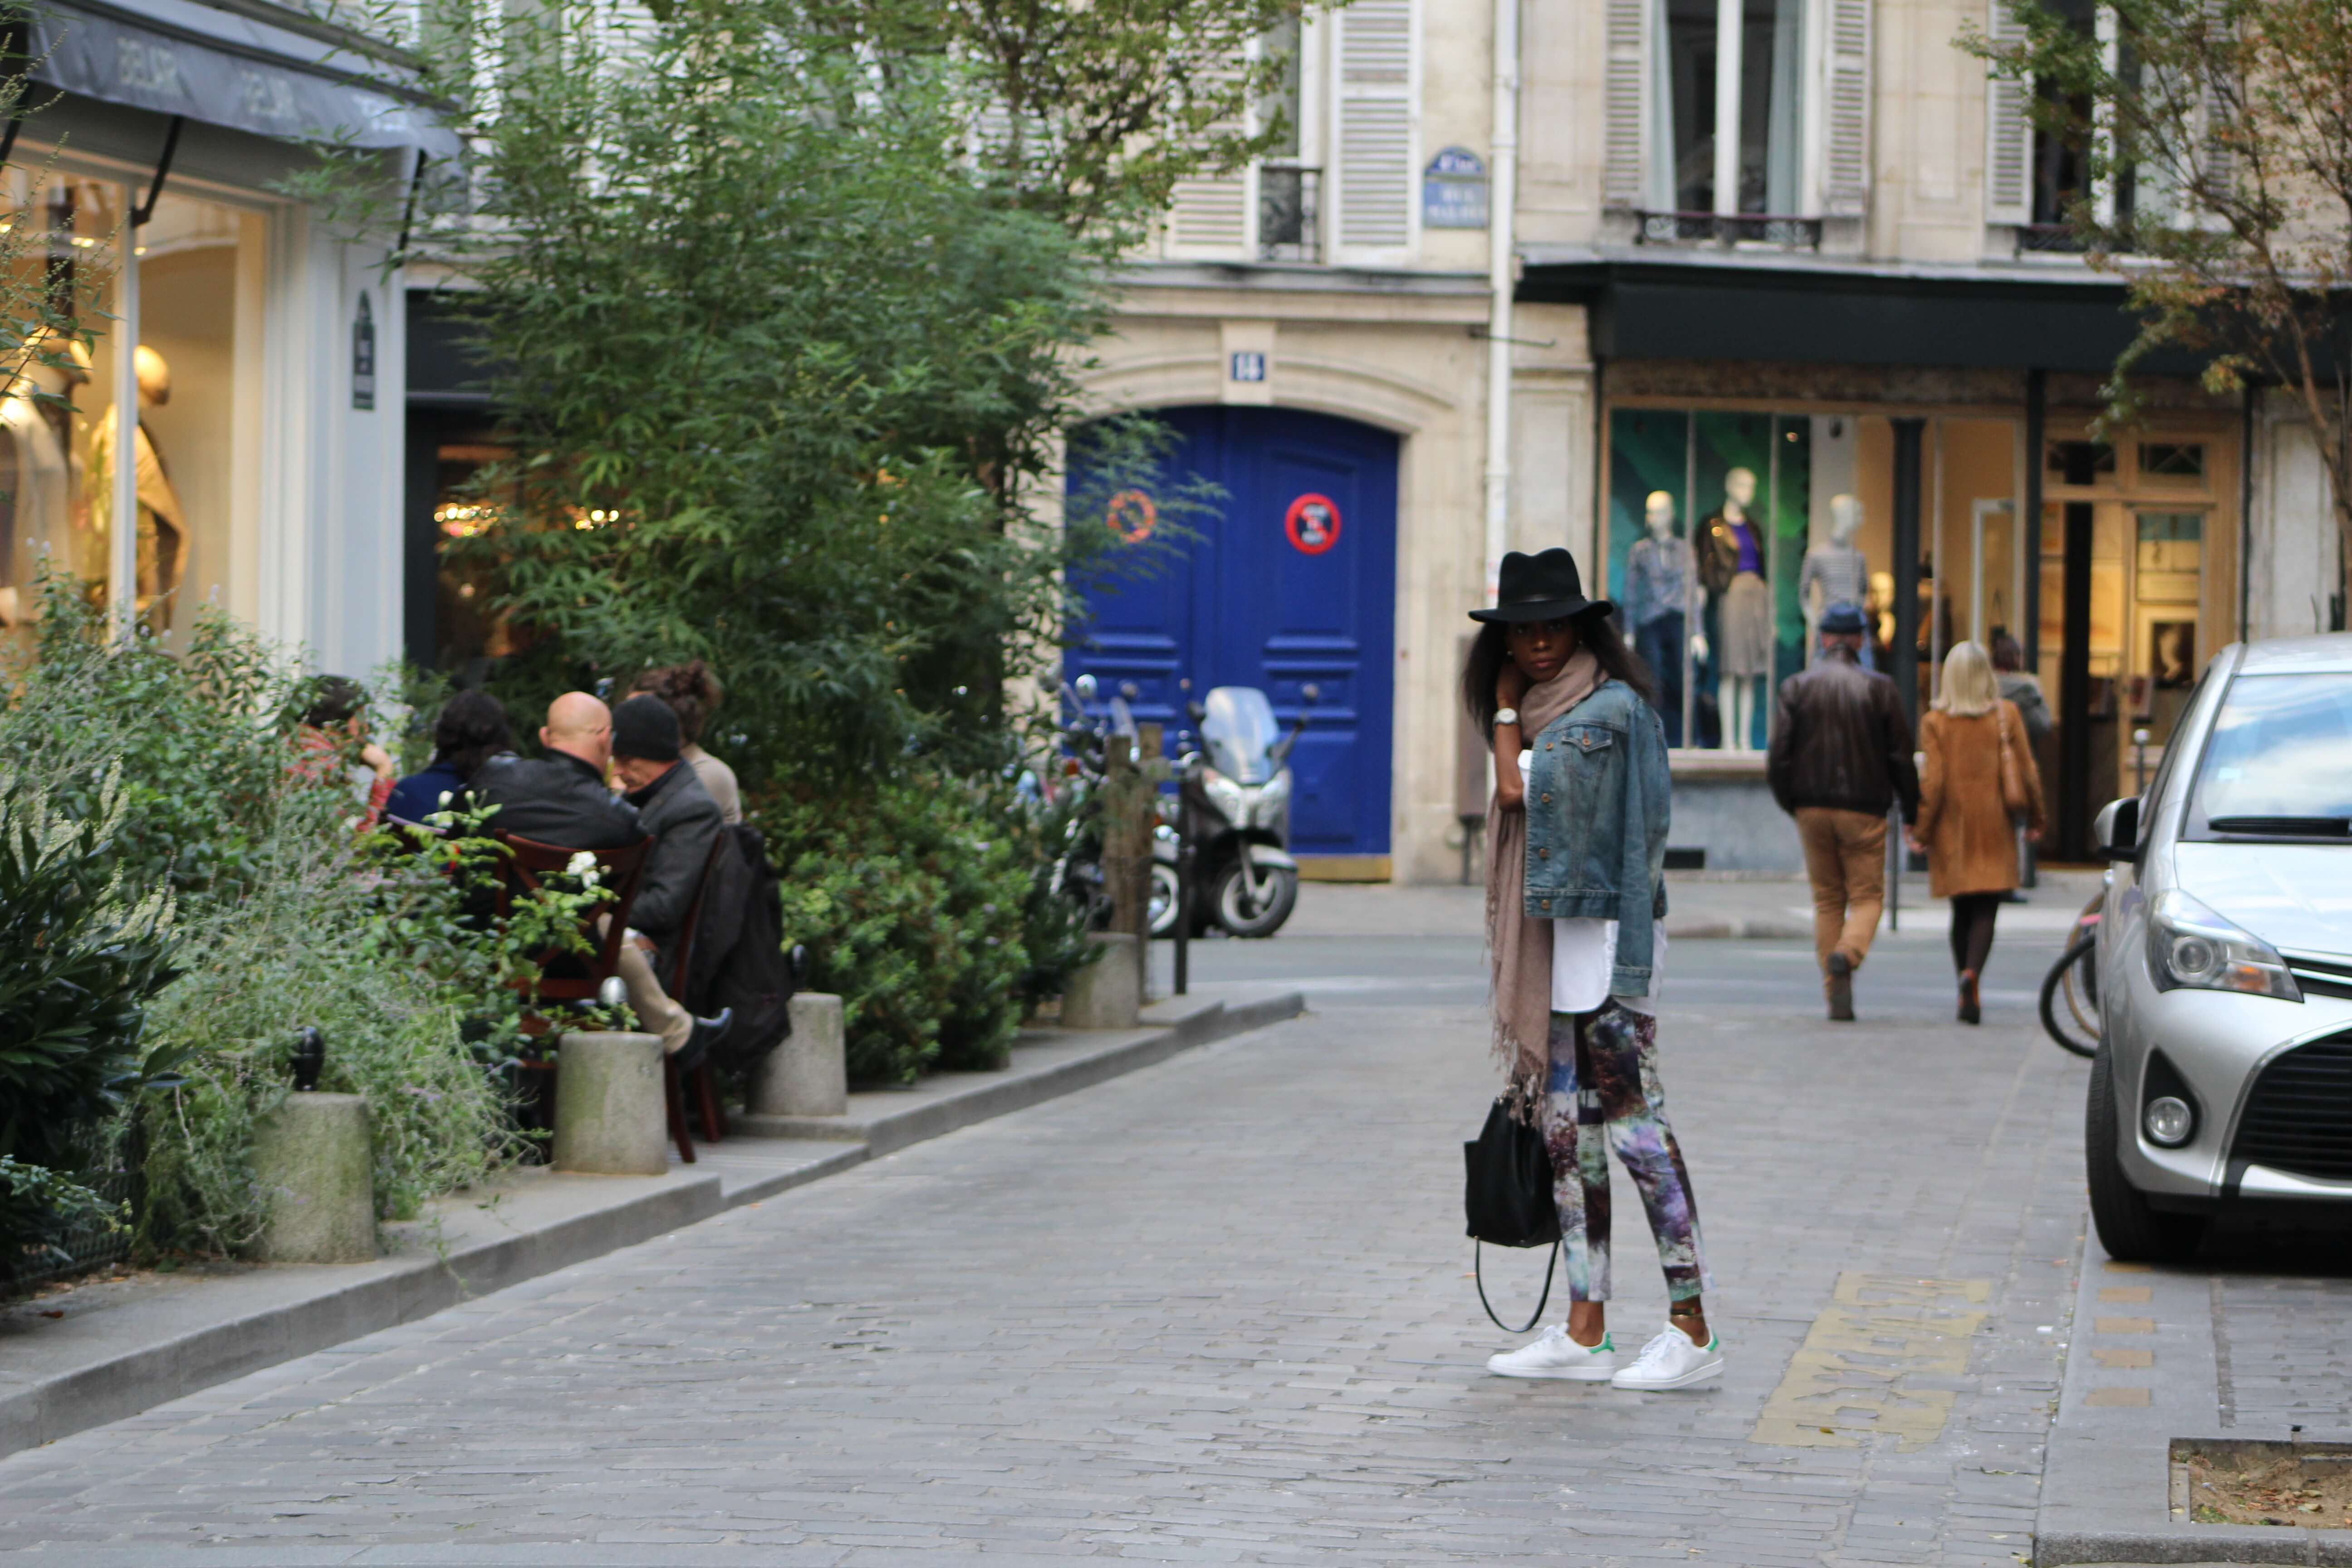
[1845, 350]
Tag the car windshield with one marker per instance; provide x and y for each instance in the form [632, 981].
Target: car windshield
[1240, 733]
[2279, 762]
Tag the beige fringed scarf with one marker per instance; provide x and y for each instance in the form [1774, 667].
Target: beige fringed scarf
[1520, 948]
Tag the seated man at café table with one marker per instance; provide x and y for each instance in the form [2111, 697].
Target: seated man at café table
[649, 760]
[560, 799]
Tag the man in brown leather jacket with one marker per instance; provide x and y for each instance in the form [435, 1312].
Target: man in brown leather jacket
[1841, 755]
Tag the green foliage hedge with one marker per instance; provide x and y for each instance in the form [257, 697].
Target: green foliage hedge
[927, 907]
[284, 919]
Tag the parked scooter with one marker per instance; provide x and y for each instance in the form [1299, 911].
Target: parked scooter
[1234, 805]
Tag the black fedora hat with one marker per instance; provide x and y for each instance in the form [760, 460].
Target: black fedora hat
[1541, 587]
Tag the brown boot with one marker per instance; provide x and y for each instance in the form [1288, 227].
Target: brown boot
[1969, 1011]
[1841, 987]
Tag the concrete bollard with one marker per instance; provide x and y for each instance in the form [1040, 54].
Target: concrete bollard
[1108, 992]
[313, 1157]
[609, 1116]
[808, 1073]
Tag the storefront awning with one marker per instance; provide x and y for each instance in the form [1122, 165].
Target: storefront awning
[1692, 306]
[224, 67]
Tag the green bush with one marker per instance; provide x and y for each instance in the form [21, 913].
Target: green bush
[286, 919]
[924, 906]
[79, 962]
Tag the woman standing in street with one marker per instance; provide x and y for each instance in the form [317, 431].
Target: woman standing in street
[1576, 846]
[1977, 780]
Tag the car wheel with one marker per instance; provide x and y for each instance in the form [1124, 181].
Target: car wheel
[2129, 1228]
[1239, 915]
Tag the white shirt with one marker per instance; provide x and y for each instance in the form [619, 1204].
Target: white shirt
[1584, 953]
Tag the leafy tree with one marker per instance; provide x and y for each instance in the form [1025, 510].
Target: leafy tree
[784, 373]
[2222, 130]
[1094, 109]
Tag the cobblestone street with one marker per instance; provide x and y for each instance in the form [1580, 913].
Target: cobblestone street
[1220, 1310]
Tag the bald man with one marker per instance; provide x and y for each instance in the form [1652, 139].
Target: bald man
[562, 799]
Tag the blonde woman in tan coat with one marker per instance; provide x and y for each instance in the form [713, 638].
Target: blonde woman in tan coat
[1965, 823]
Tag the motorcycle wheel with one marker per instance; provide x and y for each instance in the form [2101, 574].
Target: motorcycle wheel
[1164, 899]
[1238, 915]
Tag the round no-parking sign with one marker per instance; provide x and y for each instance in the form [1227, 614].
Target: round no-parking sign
[1313, 523]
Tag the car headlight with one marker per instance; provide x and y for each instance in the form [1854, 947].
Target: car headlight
[1272, 799]
[2169, 1121]
[2190, 946]
[1231, 799]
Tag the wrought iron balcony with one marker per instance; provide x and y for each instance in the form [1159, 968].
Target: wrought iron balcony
[2048, 239]
[1289, 214]
[1778, 230]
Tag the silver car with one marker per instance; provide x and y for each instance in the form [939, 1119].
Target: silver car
[2224, 1068]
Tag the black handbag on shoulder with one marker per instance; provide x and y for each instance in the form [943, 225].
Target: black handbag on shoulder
[1506, 1197]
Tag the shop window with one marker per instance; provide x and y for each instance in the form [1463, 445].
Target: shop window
[190, 255]
[2081, 462]
[2172, 462]
[1708, 516]
[192, 468]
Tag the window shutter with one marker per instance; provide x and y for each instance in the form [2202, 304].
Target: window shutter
[1620, 101]
[2008, 132]
[1845, 109]
[1208, 216]
[1375, 186]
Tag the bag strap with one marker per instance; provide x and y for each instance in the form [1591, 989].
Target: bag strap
[1478, 1270]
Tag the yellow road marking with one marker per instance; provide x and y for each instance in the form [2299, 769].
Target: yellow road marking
[1847, 1380]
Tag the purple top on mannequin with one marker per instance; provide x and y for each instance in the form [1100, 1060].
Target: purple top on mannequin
[1750, 558]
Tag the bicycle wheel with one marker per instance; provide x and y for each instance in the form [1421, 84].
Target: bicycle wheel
[2070, 979]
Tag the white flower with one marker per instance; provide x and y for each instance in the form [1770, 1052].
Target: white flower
[445, 797]
[583, 863]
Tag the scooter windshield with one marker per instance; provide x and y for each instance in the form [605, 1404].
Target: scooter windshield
[1239, 733]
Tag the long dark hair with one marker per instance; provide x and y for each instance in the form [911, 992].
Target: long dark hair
[1492, 650]
[471, 729]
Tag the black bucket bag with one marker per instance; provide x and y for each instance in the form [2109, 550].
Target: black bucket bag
[1507, 1199]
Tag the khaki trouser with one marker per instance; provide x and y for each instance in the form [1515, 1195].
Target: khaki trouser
[1845, 860]
[657, 1014]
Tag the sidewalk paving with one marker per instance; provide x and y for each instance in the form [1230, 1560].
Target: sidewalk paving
[2229, 1349]
[1698, 907]
[111, 1347]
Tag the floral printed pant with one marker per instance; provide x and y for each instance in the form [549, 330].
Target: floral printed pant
[1603, 1093]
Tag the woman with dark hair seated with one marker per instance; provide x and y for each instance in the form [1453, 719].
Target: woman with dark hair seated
[692, 691]
[471, 730]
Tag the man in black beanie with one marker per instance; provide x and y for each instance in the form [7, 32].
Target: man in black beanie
[673, 807]
[560, 799]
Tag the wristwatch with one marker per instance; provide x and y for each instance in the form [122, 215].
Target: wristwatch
[1507, 715]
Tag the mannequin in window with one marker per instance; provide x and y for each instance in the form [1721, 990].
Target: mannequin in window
[162, 528]
[1731, 569]
[1659, 584]
[1836, 570]
[37, 481]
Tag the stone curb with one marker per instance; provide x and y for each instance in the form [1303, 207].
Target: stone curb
[396, 1290]
[1738, 929]
[401, 1290]
[2106, 1481]
[999, 1094]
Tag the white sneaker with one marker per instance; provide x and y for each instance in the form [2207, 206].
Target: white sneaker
[1554, 1354]
[1673, 1360]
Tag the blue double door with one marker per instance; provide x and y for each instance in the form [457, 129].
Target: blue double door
[1293, 584]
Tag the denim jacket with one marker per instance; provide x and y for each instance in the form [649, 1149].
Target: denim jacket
[1598, 803]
